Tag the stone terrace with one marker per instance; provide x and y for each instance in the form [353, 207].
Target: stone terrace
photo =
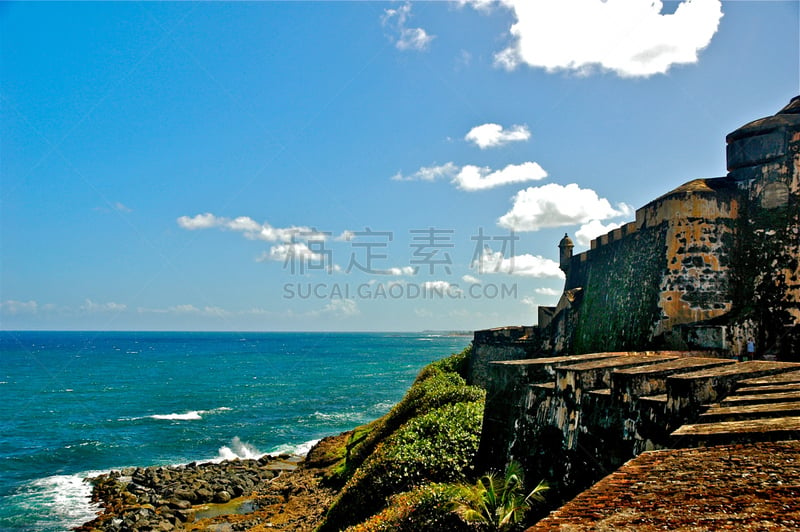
[727, 432]
[673, 410]
[730, 487]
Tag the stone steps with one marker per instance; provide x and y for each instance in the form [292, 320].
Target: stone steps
[594, 374]
[773, 388]
[617, 405]
[689, 391]
[743, 431]
[717, 412]
[631, 383]
[762, 403]
[574, 381]
[770, 380]
[780, 397]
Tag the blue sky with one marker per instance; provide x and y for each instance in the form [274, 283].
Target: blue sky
[351, 165]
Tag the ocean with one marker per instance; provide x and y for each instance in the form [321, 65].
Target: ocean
[79, 403]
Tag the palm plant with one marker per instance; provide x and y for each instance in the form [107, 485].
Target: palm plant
[495, 503]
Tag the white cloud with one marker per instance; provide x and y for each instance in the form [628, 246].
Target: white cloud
[472, 177]
[290, 251]
[207, 311]
[13, 307]
[481, 5]
[493, 135]
[629, 37]
[184, 309]
[249, 228]
[405, 270]
[470, 279]
[339, 308]
[245, 224]
[548, 291]
[405, 38]
[526, 265]
[554, 205]
[591, 230]
[476, 178]
[429, 173]
[92, 306]
[345, 236]
[343, 307]
[413, 39]
[441, 287]
[201, 221]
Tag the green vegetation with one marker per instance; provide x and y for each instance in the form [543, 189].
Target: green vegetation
[425, 508]
[496, 504]
[438, 384]
[430, 437]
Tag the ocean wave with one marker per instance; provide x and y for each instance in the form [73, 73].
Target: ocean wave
[59, 502]
[338, 416]
[238, 449]
[288, 448]
[188, 416]
[192, 415]
[383, 407]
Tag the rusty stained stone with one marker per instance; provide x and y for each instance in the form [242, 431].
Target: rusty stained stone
[699, 228]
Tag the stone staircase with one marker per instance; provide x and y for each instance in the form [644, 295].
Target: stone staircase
[763, 408]
[597, 411]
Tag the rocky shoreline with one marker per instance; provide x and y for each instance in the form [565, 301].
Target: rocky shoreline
[283, 492]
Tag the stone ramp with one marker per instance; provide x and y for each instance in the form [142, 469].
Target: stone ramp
[750, 487]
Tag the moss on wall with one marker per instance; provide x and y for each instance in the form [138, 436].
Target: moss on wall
[620, 302]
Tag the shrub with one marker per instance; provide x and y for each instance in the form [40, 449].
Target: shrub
[496, 504]
[425, 508]
[439, 446]
[434, 387]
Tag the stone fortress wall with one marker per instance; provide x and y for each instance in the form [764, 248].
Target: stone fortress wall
[706, 265]
[640, 351]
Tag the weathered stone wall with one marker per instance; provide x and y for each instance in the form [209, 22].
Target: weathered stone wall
[620, 296]
[707, 265]
[670, 267]
[573, 419]
[700, 220]
[764, 160]
[492, 345]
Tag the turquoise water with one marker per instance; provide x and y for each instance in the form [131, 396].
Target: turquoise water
[74, 403]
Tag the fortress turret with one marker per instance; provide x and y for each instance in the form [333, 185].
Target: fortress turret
[764, 162]
[565, 252]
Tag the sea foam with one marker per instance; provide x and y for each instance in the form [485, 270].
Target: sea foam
[192, 415]
[288, 448]
[238, 450]
[58, 500]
